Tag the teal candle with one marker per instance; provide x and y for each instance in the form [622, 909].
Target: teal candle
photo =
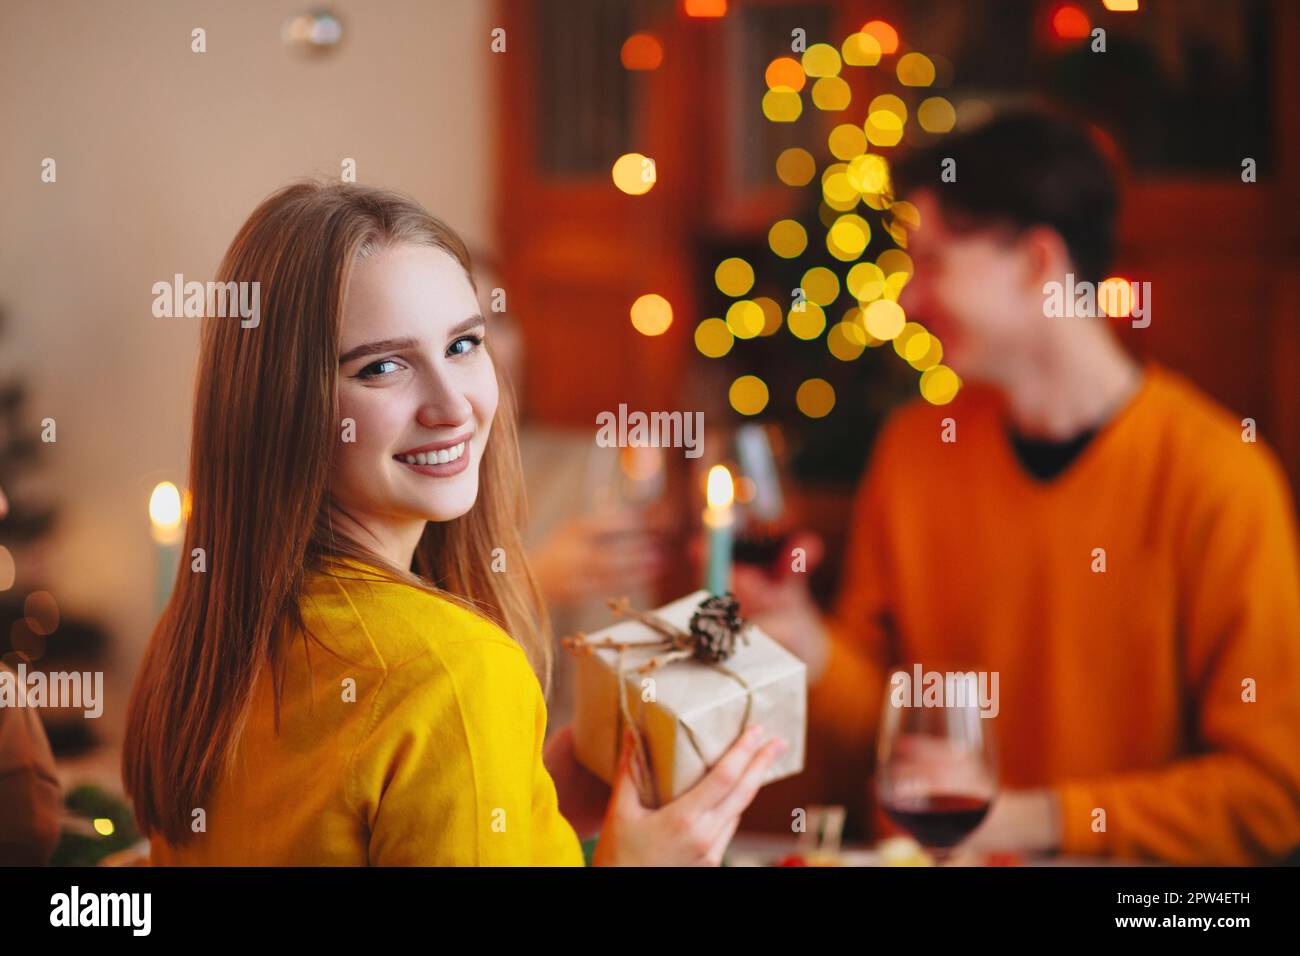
[717, 578]
[167, 557]
[719, 523]
[165, 515]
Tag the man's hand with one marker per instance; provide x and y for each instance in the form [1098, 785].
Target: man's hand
[594, 556]
[1025, 820]
[779, 602]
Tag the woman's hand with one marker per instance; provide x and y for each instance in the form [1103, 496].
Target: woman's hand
[693, 830]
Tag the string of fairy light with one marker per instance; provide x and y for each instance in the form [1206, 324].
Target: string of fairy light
[857, 172]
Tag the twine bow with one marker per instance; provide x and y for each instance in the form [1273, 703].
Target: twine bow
[698, 642]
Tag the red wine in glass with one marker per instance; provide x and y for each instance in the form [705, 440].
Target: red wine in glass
[941, 820]
[760, 545]
[936, 770]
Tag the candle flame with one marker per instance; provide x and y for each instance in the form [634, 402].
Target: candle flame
[721, 491]
[165, 510]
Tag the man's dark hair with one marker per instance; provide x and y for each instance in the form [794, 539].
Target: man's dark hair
[1024, 168]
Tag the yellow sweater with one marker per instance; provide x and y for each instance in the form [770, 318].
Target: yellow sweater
[414, 738]
[1160, 697]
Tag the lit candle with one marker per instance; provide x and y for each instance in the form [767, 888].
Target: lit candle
[165, 517]
[719, 520]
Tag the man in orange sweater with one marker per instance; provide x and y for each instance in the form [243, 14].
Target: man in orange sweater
[1118, 548]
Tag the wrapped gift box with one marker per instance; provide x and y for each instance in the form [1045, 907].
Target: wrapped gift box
[692, 712]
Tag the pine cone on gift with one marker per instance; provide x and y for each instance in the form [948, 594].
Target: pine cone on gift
[715, 626]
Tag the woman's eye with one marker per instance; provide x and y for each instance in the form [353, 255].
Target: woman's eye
[466, 343]
[375, 369]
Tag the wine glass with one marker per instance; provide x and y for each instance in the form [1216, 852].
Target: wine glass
[936, 769]
[764, 524]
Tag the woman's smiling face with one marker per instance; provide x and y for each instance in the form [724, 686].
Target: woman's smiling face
[417, 380]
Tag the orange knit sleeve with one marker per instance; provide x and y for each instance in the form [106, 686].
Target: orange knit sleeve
[844, 703]
[1236, 800]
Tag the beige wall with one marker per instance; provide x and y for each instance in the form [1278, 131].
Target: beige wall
[161, 154]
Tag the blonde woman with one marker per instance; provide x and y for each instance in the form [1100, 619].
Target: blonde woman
[351, 668]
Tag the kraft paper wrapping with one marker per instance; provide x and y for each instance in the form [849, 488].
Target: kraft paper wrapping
[687, 695]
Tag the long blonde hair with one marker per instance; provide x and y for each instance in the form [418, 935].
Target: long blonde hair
[265, 430]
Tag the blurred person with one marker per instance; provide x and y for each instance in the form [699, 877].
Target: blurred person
[31, 800]
[354, 678]
[1161, 686]
[587, 551]
[585, 545]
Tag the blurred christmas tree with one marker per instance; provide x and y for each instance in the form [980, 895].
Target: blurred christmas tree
[20, 444]
[33, 630]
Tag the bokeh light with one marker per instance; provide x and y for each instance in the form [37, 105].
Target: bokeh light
[883, 128]
[806, 323]
[705, 8]
[821, 60]
[894, 283]
[651, 314]
[865, 281]
[820, 285]
[838, 191]
[782, 105]
[831, 93]
[915, 69]
[868, 174]
[889, 103]
[745, 319]
[936, 115]
[786, 72]
[861, 49]
[634, 174]
[884, 319]
[939, 385]
[848, 238]
[713, 338]
[884, 34]
[787, 238]
[1070, 23]
[748, 395]
[41, 612]
[734, 276]
[1115, 297]
[906, 213]
[893, 261]
[642, 51]
[932, 357]
[796, 167]
[847, 141]
[815, 398]
[846, 340]
[772, 317]
[913, 342]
